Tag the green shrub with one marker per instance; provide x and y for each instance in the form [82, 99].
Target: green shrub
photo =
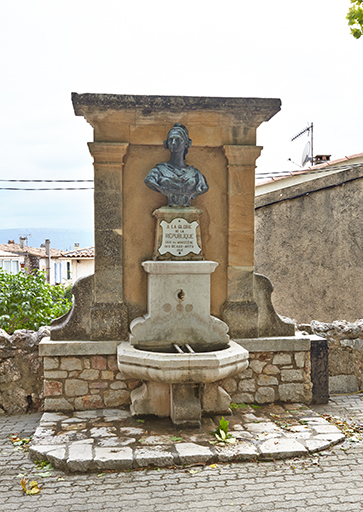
[28, 301]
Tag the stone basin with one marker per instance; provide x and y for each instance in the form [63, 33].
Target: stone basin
[171, 368]
[182, 386]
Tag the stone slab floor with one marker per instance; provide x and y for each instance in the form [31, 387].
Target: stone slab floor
[329, 481]
[113, 439]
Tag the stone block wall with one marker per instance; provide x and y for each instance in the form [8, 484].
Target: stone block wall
[272, 377]
[94, 382]
[85, 382]
[84, 375]
[81, 378]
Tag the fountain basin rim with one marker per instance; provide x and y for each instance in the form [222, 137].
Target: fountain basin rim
[173, 368]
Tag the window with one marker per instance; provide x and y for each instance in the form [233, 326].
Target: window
[69, 270]
[10, 266]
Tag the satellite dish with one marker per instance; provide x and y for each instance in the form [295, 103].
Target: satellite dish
[306, 154]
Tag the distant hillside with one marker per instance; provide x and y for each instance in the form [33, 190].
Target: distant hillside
[63, 239]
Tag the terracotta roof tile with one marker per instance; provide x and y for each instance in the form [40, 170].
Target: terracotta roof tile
[87, 252]
[35, 251]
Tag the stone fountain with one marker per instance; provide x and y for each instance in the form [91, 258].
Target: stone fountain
[174, 306]
[178, 349]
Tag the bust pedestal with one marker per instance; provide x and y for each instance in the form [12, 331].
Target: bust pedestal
[178, 234]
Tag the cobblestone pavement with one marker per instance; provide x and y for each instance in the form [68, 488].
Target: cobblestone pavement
[331, 481]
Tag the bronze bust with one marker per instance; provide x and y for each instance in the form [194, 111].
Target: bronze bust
[177, 181]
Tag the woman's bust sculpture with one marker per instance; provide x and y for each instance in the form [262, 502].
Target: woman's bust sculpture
[177, 181]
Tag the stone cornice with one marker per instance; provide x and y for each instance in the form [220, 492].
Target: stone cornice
[250, 111]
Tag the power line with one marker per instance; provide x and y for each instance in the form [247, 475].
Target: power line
[56, 188]
[48, 181]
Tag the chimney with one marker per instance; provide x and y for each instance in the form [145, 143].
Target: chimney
[76, 247]
[321, 159]
[22, 241]
[47, 246]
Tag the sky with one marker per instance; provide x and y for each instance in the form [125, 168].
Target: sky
[300, 52]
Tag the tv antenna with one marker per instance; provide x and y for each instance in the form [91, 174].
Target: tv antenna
[306, 155]
[308, 147]
[25, 236]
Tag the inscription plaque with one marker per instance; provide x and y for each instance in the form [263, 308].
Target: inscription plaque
[179, 237]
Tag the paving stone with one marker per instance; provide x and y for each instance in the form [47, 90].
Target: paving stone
[282, 448]
[314, 444]
[244, 450]
[113, 458]
[333, 438]
[133, 431]
[80, 456]
[72, 419]
[190, 453]
[53, 416]
[102, 432]
[42, 432]
[153, 456]
[38, 451]
[241, 434]
[116, 441]
[58, 457]
[325, 429]
[263, 427]
[299, 435]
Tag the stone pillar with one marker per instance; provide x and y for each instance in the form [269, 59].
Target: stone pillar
[319, 359]
[109, 319]
[240, 310]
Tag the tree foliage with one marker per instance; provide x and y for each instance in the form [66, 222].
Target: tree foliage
[355, 18]
[28, 301]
